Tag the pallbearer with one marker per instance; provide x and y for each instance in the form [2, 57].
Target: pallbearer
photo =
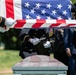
[6, 23]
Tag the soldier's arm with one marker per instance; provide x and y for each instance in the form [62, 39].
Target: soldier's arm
[6, 22]
[2, 21]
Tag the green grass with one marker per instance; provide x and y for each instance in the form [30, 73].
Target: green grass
[8, 58]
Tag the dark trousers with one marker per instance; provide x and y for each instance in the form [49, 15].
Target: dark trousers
[62, 57]
[72, 65]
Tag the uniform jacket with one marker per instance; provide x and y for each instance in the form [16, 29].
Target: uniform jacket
[59, 44]
[68, 40]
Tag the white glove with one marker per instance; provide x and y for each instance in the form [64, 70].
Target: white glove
[34, 41]
[3, 29]
[9, 22]
[47, 44]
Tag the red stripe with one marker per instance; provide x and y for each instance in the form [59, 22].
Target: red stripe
[71, 25]
[9, 8]
[58, 22]
[38, 23]
[61, 21]
[20, 23]
[55, 25]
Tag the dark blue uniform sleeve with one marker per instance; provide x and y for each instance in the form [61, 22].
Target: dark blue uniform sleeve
[66, 38]
[2, 23]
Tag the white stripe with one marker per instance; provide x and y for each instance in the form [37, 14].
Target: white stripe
[2, 8]
[51, 21]
[71, 21]
[48, 23]
[17, 9]
[63, 25]
[45, 25]
[72, 26]
[29, 23]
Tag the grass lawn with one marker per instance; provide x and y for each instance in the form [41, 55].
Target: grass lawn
[8, 58]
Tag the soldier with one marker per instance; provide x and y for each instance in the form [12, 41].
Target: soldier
[5, 23]
[59, 50]
[35, 41]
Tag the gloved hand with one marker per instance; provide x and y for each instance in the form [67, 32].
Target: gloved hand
[9, 22]
[47, 44]
[35, 41]
[3, 29]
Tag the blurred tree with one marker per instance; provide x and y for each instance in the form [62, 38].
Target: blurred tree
[74, 1]
[11, 39]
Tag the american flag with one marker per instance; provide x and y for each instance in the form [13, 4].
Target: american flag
[36, 9]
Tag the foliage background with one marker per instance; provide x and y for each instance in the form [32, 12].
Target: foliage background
[11, 39]
[74, 1]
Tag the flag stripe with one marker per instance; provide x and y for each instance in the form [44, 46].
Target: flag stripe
[55, 24]
[9, 8]
[17, 9]
[71, 21]
[71, 25]
[29, 23]
[38, 23]
[2, 8]
[63, 25]
[61, 21]
[20, 24]
[43, 23]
